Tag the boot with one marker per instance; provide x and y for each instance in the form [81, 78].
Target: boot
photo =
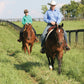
[19, 40]
[21, 37]
[67, 47]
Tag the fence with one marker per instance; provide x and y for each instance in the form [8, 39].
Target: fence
[41, 19]
[76, 35]
[4, 22]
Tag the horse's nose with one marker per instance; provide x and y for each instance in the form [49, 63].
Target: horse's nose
[60, 43]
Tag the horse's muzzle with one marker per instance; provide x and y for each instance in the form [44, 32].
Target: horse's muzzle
[59, 43]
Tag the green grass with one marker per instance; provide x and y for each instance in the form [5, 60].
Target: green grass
[68, 25]
[19, 68]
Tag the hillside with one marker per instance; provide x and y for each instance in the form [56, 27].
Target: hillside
[19, 68]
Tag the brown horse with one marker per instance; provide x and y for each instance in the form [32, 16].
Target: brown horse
[28, 38]
[54, 45]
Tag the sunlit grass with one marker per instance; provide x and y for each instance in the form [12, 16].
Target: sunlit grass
[68, 25]
[19, 68]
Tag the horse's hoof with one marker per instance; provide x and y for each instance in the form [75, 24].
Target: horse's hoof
[50, 67]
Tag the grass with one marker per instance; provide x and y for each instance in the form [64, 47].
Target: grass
[68, 25]
[19, 68]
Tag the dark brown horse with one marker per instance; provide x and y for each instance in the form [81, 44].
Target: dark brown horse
[28, 38]
[54, 46]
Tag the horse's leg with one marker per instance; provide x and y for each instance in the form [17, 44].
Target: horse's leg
[59, 66]
[50, 66]
[28, 48]
[52, 62]
[29, 41]
[60, 61]
[23, 46]
[31, 48]
[25, 49]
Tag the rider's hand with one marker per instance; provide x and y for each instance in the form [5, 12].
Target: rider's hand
[53, 23]
[29, 23]
[26, 23]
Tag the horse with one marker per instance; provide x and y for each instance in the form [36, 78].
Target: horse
[28, 38]
[54, 46]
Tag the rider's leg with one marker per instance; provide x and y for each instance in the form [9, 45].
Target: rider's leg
[43, 38]
[44, 35]
[34, 30]
[21, 34]
[65, 37]
[36, 40]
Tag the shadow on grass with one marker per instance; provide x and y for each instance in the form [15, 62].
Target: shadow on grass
[27, 67]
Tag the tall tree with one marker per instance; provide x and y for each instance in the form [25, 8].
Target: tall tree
[82, 2]
[80, 10]
[44, 9]
[70, 10]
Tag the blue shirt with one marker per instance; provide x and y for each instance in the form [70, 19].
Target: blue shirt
[55, 16]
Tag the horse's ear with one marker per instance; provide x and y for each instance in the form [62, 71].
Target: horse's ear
[62, 25]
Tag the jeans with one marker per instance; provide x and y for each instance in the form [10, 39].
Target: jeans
[44, 35]
[45, 32]
[65, 36]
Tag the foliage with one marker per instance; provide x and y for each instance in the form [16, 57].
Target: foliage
[74, 9]
[82, 1]
[80, 10]
[44, 9]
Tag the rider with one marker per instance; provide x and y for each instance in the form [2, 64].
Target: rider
[26, 20]
[52, 17]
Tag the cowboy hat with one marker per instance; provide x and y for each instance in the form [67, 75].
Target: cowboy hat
[52, 3]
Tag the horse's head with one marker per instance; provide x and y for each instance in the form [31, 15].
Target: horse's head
[59, 34]
[27, 30]
[28, 27]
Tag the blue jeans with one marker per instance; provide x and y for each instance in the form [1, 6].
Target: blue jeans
[45, 32]
[65, 36]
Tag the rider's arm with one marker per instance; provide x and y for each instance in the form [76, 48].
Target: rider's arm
[23, 21]
[46, 19]
[60, 16]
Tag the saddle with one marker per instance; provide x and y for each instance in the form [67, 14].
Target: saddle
[51, 28]
[49, 32]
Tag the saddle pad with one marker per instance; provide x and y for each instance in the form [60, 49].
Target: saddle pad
[49, 31]
[51, 28]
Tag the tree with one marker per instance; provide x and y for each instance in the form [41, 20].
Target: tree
[82, 2]
[44, 9]
[70, 10]
[80, 10]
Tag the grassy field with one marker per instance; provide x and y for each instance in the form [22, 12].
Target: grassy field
[68, 25]
[19, 68]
